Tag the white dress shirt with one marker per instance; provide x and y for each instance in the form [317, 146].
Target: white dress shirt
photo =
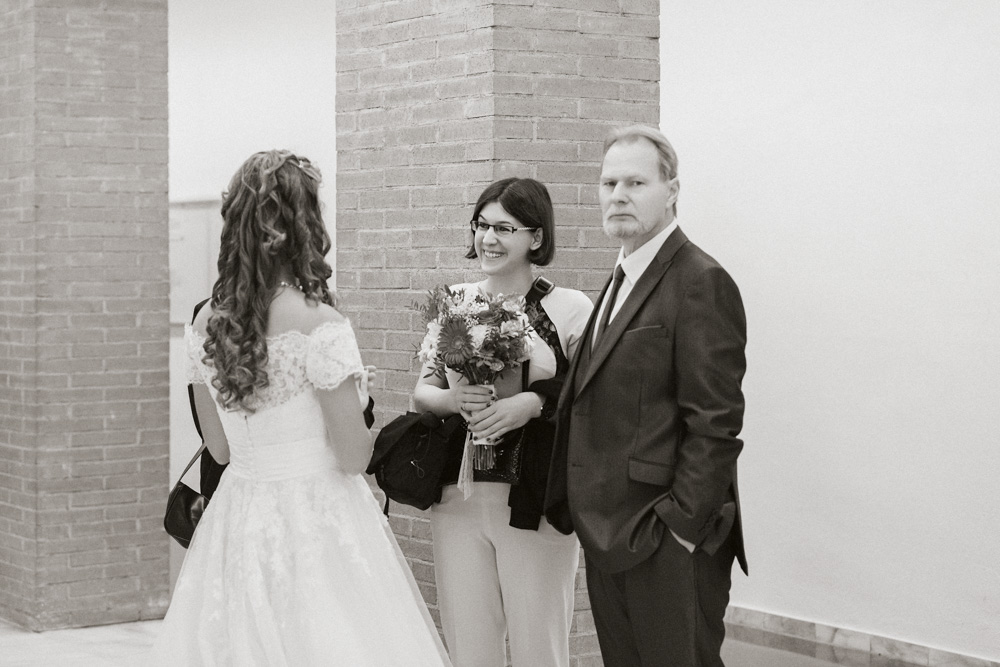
[634, 266]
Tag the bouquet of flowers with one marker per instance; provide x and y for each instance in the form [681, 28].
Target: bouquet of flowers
[477, 336]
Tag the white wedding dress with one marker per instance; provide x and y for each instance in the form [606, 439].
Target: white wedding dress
[293, 563]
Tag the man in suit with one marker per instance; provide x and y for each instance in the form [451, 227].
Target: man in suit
[644, 465]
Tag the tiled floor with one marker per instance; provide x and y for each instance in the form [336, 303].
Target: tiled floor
[124, 646]
[750, 647]
[104, 646]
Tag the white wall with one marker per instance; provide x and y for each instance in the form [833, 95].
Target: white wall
[841, 159]
[245, 76]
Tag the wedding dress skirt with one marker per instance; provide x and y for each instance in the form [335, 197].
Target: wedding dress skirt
[293, 563]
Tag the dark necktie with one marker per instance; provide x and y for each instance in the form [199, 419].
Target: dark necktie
[616, 283]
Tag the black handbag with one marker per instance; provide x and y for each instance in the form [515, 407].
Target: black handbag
[185, 505]
[184, 508]
[410, 454]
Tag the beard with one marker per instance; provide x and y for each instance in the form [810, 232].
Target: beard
[622, 228]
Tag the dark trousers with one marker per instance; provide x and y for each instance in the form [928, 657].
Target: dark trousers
[665, 612]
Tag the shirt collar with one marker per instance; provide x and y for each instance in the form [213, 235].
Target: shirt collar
[636, 263]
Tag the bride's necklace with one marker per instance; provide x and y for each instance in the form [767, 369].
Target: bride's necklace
[282, 283]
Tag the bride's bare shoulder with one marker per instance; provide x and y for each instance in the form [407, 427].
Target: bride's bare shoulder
[297, 314]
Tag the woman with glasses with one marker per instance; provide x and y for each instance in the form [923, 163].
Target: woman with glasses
[501, 569]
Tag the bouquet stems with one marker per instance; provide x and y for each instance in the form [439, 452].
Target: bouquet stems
[484, 456]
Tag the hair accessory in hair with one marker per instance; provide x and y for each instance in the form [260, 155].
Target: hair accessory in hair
[306, 168]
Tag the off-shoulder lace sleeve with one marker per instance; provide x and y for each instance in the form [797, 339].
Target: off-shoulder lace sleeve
[333, 355]
[193, 354]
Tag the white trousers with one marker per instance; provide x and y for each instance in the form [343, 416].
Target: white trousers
[493, 580]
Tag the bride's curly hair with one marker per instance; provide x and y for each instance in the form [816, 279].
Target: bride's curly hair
[272, 220]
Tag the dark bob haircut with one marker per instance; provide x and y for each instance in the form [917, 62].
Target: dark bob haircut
[528, 202]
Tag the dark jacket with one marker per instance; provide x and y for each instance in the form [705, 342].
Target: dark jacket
[648, 420]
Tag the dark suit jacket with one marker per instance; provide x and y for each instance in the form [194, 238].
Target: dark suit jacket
[647, 426]
[211, 470]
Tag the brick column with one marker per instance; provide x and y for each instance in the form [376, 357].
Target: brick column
[83, 312]
[435, 100]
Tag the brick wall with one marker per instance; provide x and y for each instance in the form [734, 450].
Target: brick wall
[434, 102]
[83, 302]
[17, 335]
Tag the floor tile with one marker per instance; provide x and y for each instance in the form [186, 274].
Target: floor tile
[125, 645]
[740, 654]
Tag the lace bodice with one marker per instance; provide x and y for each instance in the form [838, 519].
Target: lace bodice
[322, 358]
[286, 435]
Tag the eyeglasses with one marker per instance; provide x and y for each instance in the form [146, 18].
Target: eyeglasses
[500, 229]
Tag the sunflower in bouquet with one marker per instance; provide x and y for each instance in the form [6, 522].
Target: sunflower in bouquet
[477, 336]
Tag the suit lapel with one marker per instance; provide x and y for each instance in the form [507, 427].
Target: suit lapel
[580, 361]
[637, 297]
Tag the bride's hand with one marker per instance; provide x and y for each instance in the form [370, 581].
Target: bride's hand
[371, 371]
[468, 399]
[505, 415]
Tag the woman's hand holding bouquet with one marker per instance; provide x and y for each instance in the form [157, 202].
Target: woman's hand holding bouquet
[504, 415]
[469, 399]
[477, 337]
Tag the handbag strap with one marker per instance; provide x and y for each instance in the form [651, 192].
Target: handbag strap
[539, 289]
[194, 412]
[193, 459]
[190, 387]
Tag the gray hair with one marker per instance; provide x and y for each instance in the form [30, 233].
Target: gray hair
[666, 153]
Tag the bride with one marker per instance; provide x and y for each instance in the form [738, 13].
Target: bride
[292, 563]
